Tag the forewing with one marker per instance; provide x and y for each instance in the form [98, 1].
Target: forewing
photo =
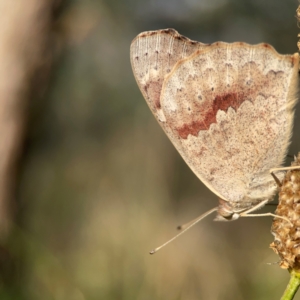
[153, 55]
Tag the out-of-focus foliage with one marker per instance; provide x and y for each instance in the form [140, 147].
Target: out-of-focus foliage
[100, 183]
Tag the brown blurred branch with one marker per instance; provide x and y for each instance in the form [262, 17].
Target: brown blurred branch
[25, 31]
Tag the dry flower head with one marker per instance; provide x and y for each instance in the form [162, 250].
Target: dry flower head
[287, 236]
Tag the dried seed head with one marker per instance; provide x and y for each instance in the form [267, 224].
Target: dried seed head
[287, 237]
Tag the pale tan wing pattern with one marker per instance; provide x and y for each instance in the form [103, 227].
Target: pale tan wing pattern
[153, 54]
[229, 108]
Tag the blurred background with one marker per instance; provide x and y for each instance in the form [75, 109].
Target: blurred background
[89, 183]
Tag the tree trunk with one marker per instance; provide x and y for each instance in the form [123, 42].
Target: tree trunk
[25, 37]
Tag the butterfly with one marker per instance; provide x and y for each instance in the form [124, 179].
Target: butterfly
[227, 108]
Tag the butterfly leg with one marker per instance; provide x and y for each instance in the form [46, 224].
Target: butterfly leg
[247, 213]
[256, 207]
[281, 169]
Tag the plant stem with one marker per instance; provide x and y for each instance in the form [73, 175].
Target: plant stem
[292, 287]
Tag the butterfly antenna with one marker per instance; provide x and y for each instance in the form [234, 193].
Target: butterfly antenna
[185, 228]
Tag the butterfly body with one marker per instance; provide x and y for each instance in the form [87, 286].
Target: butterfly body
[227, 108]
